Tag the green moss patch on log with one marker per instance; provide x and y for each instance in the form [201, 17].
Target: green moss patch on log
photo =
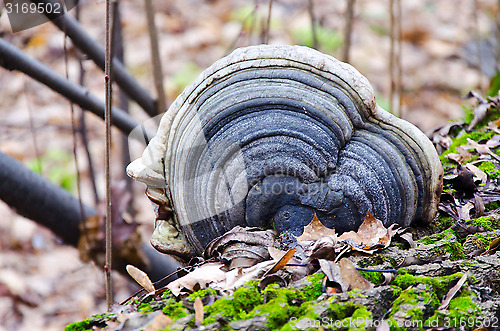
[89, 323]
[446, 242]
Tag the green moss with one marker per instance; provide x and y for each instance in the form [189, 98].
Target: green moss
[442, 222]
[315, 289]
[446, 242]
[413, 296]
[280, 303]
[373, 277]
[342, 310]
[356, 293]
[491, 115]
[489, 223]
[440, 285]
[201, 294]
[286, 303]
[485, 240]
[237, 307]
[89, 323]
[360, 317]
[489, 168]
[413, 304]
[448, 234]
[492, 206]
[174, 309]
[462, 312]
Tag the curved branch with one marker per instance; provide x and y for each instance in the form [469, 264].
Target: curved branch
[95, 52]
[12, 58]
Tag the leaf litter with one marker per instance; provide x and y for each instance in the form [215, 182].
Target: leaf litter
[318, 249]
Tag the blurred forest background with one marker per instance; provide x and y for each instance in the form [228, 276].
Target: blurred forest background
[447, 48]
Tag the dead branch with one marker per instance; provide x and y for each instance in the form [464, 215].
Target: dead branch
[11, 58]
[36, 198]
[155, 57]
[95, 52]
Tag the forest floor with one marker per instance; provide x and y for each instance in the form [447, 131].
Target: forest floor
[43, 284]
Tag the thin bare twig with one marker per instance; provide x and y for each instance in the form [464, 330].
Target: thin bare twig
[477, 37]
[155, 57]
[391, 57]
[33, 129]
[242, 30]
[399, 64]
[395, 70]
[107, 119]
[497, 33]
[348, 30]
[123, 101]
[310, 8]
[268, 24]
[83, 127]
[253, 23]
[73, 127]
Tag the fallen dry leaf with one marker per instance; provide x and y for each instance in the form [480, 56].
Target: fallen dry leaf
[477, 172]
[459, 157]
[327, 248]
[332, 272]
[408, 237]
[452, 292]
[372, 235]
[205, 275]
[242, 247]
[494, 246]
[315, 230]
[198, 312]
[482, 149]
[275, 253]
[465, 210]
[494, 141]
[140, 277]
[351, 277]
[462, 180]
[388, 278]
[372, 227]
[237, 277]
[282, 262]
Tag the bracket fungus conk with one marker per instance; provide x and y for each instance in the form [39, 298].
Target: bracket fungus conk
[270, 135]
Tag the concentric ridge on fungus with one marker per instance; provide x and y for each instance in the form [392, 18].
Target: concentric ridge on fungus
[272, 135]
